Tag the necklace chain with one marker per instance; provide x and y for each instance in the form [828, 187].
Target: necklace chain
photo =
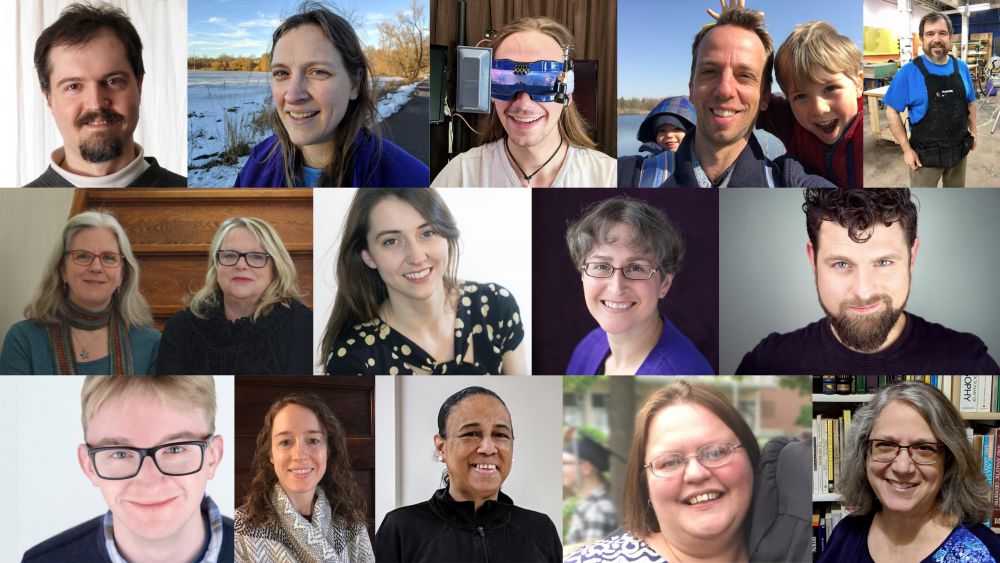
[528, 177]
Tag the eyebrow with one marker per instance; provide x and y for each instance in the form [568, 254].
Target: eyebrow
[306, 64]
[289, 433]
[121, 441]
[101, 79]
[472, 425]
[839, 258]
[629, 259]
[398, 231]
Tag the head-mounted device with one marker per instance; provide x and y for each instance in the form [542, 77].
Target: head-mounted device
[544, 81]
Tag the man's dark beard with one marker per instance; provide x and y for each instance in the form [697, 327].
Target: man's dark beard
[101, 147]
[864, 333]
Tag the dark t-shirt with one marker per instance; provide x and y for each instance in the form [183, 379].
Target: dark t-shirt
[922, 348]
[968, 543]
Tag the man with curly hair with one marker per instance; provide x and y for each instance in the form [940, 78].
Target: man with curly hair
[862, 248]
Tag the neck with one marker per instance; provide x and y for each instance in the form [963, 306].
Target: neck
[697, 550]
[479, 500]
[73, 162]
[715, 159]
[235, 309]
[185, 545]
[302, 502]
[937, 60]
[416, 316]
[631, 348]
[318, 156]
[903, 528]
[531, 159]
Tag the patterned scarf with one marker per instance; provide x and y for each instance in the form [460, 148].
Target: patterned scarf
[61, 340]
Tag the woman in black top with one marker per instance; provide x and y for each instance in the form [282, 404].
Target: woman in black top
[400, 307]
[248, 318]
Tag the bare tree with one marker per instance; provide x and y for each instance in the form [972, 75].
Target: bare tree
[405, 41]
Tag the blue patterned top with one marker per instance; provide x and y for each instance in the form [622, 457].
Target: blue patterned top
[962, 545]
[621, 548]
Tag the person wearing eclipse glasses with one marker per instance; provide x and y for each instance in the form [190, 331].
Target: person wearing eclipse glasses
[157, 507]
[535, 137]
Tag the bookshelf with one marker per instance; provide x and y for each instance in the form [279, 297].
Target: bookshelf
[831, 420]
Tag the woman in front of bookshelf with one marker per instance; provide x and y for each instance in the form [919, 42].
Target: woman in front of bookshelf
[689, 484]
[916, 486]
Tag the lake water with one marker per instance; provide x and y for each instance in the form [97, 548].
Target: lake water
[628, 127]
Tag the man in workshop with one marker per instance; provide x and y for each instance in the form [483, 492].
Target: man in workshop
[89, 64]
[936, 89]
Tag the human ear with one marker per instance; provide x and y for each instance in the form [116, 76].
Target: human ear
[367, 258]
[811, 253]
[913, 252]
[859, 81]
[665, 284]
[439, 446]
[214, 455]
[86, 465]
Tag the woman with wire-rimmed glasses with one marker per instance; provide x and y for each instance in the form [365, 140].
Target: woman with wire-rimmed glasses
[915, 484]
[87, 316]
[628, 253]
[248, 318]
[689, 484]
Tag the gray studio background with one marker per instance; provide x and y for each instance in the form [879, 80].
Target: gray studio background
[766, 284]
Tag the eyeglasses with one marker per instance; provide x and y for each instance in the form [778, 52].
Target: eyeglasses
[709, 455]
[923, 453]
[231, 257]
[630, 271]
[175, 459]
[86, 258]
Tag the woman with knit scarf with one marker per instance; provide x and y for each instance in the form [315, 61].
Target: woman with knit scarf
[248, 318]
[87, 316]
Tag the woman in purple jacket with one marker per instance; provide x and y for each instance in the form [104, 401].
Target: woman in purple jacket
[324, 117]
[628, 253]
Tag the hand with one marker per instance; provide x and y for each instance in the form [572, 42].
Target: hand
[733, 4]
[911, 158]
[973, 143]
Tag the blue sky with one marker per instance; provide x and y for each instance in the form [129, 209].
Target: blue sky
[244, 27]
[654, 37]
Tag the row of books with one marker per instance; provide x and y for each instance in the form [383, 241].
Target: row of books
[823, 521]
[970, 393]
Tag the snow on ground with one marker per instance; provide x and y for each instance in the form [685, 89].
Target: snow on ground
[217, 96]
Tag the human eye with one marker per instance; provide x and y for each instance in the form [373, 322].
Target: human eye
[668, 462]
[884, 446]
[637, 269]
[390, 241]
[925, 448]
[279, 74]
[428, 233]
[84, 255]
[600, 267]
[115, 81]
[798, 97]
[714, 452]
[840, 265]
[471, 434]
[314, 441]
[502, 435]
[885, 262]
[284, 443]
[319, 73]
[175, 449]
[120, 454]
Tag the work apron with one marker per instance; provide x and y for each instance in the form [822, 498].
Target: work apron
[942, 139]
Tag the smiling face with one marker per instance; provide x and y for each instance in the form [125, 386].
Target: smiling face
[93, 286]
[298, 450]
[410, 255]
[239, 282]
[620, 305]
[478, 449]
[94, 98]
[151, 505]
[863, 287]
[726, 88]
[904, 487]
[311, 89]
[936, 40]
[529, 123]
[698, 504]
[826, 109]
[669, 136]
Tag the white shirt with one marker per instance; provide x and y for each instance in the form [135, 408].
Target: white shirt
[119, 179]
[487, 166]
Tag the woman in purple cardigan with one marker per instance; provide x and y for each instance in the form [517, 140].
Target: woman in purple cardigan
[324, 116]
[628, 253]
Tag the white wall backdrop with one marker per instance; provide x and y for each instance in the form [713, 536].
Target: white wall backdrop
[495, 246]
[162, 130]
[407, 469]
[47, 492]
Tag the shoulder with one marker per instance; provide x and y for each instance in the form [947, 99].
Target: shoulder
[27, 329]
[619, 547]
[263, 167]
[781, 351]
[406, 516]
[80, 543]
[49, 179]
[849, 540]
[144, 334]
[795, 176]
[677, 354]
[466, 168]
[487, 292]
[263, 148]
[587, 353]
[158, 176]
[300, 312]
[180, 320]
[988, 537]
[960, 343]
[592, 168]
[400, 168]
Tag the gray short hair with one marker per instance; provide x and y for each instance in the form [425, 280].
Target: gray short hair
[48, 306]
[964, 493]
[655, 233]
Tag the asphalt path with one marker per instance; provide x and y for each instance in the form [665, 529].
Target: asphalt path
[410, 126]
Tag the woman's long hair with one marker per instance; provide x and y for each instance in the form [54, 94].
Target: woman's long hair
[48, 306]
[284, 286]
[361, 112]
[346, 500]
[360, 289]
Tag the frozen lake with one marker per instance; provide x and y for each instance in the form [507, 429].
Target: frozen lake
[218, 97]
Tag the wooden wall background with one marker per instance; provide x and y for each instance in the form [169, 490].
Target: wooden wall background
[593, 23]
[171, 231]
[351, 398]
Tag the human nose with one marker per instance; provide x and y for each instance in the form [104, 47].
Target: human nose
[298, 450]
[295, 90]
[726, 87]
[487, 446]
[148, 469]
[694, 471]
[820, 106]
[903, 464]
[864, 283]
[415, 253]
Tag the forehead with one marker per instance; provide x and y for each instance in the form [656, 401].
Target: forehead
[94, 238]
[686, 427]
[305, 43]
[102, 54]
[240, 237]
[295, 418]
[900, 420]
[393, 213]
[529, 46]
[483, 410]
[935, 26]
[142, 419]
[731, 45]
[834, 240]
[620, 237]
